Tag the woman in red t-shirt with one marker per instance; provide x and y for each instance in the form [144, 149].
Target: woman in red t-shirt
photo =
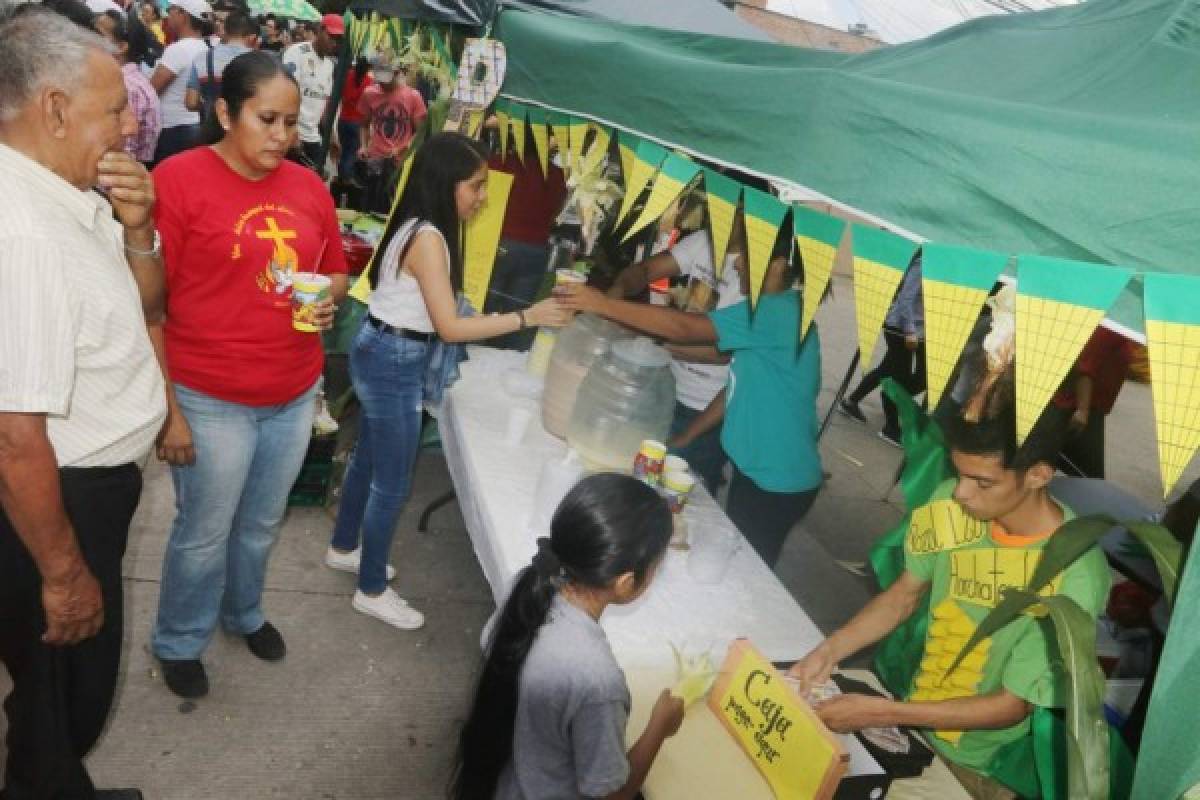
[237, 222]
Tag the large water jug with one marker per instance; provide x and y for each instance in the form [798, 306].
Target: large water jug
[627, 396]
[577, 347]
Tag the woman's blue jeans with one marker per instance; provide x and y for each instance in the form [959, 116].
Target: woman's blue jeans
[388, 372]
[229, 505]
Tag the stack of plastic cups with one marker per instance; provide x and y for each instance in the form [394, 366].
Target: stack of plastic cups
[543, 343]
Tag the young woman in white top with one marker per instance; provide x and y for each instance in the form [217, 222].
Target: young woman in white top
[414, 300]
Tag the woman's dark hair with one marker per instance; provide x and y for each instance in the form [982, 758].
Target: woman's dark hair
[606, 526]
[444, 161]
[129, 31]
[361, 69]
[239, 83]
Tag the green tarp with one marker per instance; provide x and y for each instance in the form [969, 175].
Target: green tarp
[1072, 133]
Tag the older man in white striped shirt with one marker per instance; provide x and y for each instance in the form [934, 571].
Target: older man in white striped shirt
[81, 393]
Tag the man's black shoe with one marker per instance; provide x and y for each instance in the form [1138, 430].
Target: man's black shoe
[184, 677]
[267, 643]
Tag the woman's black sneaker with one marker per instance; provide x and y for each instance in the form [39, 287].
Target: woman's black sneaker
[185, 677]
[267, 643]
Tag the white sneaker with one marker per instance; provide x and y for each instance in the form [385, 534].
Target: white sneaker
[391, 608]
[348, 562]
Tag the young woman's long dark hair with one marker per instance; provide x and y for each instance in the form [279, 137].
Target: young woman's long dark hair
[239, 82]
[442, 162]
[606, 526]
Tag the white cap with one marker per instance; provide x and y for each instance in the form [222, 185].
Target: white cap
[194, 8]
[101, 6]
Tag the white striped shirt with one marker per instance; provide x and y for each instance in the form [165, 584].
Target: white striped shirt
[73, 342]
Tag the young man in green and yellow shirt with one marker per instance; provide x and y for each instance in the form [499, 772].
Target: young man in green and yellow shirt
[981, 533]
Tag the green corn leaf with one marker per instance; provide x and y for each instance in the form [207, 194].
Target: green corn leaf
[1164, 548]
[1011, 606]
[1087, 731]
[1072, 539]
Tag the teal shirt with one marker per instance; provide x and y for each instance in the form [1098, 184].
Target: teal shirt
[770, 428]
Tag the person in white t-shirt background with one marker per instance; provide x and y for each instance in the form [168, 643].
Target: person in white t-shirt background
[700, 371]
[181, 127]
[311, 64]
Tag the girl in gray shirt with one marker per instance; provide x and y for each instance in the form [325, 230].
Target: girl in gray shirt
[548, 721]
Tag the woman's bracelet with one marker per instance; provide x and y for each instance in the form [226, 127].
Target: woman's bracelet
[154, 250]
[521, 319]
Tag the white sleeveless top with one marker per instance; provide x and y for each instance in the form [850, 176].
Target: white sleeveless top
[397, 299]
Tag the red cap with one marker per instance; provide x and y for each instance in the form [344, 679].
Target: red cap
[333, 25]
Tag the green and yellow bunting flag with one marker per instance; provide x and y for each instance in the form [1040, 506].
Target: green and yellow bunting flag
[627, 145]
[578, 129]
[541, 137]
[560, 125]
[645, 163]
[722, 195]
[763, 214]
[1172, 304]
[595, 154]
[475, 122]
[481, 239]
[818, 237]
[502, 124]
[673, 177]
[1059, 305]
[361, 291]
[516, 118]
[880, 260]
[955, 282]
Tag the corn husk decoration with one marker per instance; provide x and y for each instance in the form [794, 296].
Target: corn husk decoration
[999, 346]
[593, 198]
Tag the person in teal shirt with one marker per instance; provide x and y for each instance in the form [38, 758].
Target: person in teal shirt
[769, 406]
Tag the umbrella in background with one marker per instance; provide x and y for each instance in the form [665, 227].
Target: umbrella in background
[291, 9]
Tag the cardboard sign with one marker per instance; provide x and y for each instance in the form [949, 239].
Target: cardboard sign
[800, 758]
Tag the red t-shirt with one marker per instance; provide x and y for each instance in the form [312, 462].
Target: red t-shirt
[230, 246]
[352, 92]
[1105, 359]
[535, 200]
[395, 116]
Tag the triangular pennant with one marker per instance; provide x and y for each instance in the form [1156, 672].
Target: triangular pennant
[481, 239]
[722, 195]
[955, 282]
[560, 124]
[673, 177]
[764, 214]
[1059, 305]
[1172, 304]
[516, 118]
[598, 150]
[649, 155]
[474, 122]
[541, 138]
[578, 133]
[818, 237]
[361, 291]
[627, 145]
[880, 259]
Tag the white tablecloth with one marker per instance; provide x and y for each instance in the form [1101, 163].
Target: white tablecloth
[496, 482]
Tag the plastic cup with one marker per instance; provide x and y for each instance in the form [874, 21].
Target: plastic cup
[308, 289]
[677, 486]
[518, 422]
[565, 276]
[710, 554]
[674, 464]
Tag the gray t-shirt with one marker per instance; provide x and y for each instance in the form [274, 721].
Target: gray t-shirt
[569, 736]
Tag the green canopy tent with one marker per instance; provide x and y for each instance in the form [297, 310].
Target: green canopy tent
[1070, 133]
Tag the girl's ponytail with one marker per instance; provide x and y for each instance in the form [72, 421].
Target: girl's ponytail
[485, 745]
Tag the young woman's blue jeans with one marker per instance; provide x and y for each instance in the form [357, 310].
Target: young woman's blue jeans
[229, 505]
[388, 372]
